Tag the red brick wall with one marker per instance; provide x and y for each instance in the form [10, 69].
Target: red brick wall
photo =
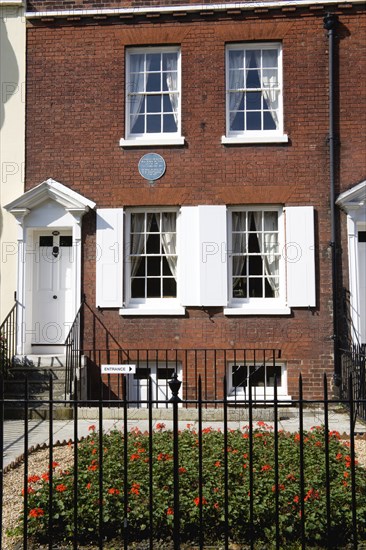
[75, 118]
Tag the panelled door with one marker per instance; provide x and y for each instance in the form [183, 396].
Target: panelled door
[52, 287]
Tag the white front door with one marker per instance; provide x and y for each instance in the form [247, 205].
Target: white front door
[52, 309]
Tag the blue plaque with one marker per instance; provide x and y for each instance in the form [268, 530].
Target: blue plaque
[152, 166]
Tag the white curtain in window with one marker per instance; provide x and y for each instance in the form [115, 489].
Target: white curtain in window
[136, 93]
[239, 242]
[168, 237]
[268, 246]
[172, 84]
[138, 239]
[236, 63]
[269, 81]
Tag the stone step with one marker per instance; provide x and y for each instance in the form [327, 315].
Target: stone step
[40, 361]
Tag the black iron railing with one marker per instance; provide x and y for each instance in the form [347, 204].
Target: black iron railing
[353, 362]
[8, 330]
[240, 366]
[73, 353]
[151, 484]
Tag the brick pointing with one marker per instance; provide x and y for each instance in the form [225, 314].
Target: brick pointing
[75, 115]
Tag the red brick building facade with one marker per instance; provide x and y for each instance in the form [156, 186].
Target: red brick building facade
[241, 124]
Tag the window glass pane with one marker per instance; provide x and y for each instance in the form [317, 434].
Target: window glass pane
[253, 101]
[255, 221]
[239, 221]
[138, 288]
[255, 265]
[253, 121]
[169, 288]
[253, 80]
[236, 101]
[239, 375]
[142, 373]
[137, 223]
[167, 104]
[170, 61]
[153, 244]
[253, 59]
[255, 287]
[236, 79]
[153, 82]
[170, 82]
[153, 61]
[153, 265]
[137, 124]
[141, 267]
[236, 59]
[270, 221]
[153, 288]
[273, 371]
[271, 283]
[240, 287]
[46, 240]
[169, 124]
[137, 62]
[268, 121]
[153, 104]
[269, 58]
[270, 78]
[166, 268]
[237, 124]
[165, 373]
[169, 220]
[153, 124]
[65, 240]
[257, 374]
[154, 227]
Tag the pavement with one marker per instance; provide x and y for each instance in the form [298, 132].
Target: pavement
[63, 430]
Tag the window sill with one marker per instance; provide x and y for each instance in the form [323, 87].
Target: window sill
[156, 311]
[247, 310]
[238, 140]
[269, 397]
[153, 142]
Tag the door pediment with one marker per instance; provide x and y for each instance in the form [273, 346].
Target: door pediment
[47, 191]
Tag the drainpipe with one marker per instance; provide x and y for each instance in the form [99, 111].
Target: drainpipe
[330, 23]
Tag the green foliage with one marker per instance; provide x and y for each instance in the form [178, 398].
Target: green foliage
[239, 461]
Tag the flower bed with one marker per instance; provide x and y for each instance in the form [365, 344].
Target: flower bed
[290, 500]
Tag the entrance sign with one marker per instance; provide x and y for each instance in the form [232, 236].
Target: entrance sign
[151, 166]
[118, 369]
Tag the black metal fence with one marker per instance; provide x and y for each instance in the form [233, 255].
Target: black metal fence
[8, 330]
[175, 483]
[353, 363]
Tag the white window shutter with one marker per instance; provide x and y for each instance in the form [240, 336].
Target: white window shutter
[203, 252]
[299, 254]
[109, 257]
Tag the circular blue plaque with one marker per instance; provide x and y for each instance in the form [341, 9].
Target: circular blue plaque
[151, 166]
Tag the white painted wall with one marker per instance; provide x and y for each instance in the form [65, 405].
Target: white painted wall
[12, 137]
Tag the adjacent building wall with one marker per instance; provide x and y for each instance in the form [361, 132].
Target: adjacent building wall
[12, 124]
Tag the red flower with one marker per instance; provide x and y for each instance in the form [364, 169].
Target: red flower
[216, 505]
[280, 487]
[33, 479]
[197, 501]
[113, 491]
[266, 467]
[135, 489]
[291, 477]
[135, 456]
[339, 456]
[55, 464]
[160, 426]
[312, 494]
[88, 485]
[91, 428]
[169, 512]
[93, 467]
[45, 477]
[296, 499]
[217, 464]
[61, 488]
[182, 470]
[36, 513]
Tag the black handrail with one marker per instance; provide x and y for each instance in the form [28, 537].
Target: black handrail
[73, 353]
[8, 330]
